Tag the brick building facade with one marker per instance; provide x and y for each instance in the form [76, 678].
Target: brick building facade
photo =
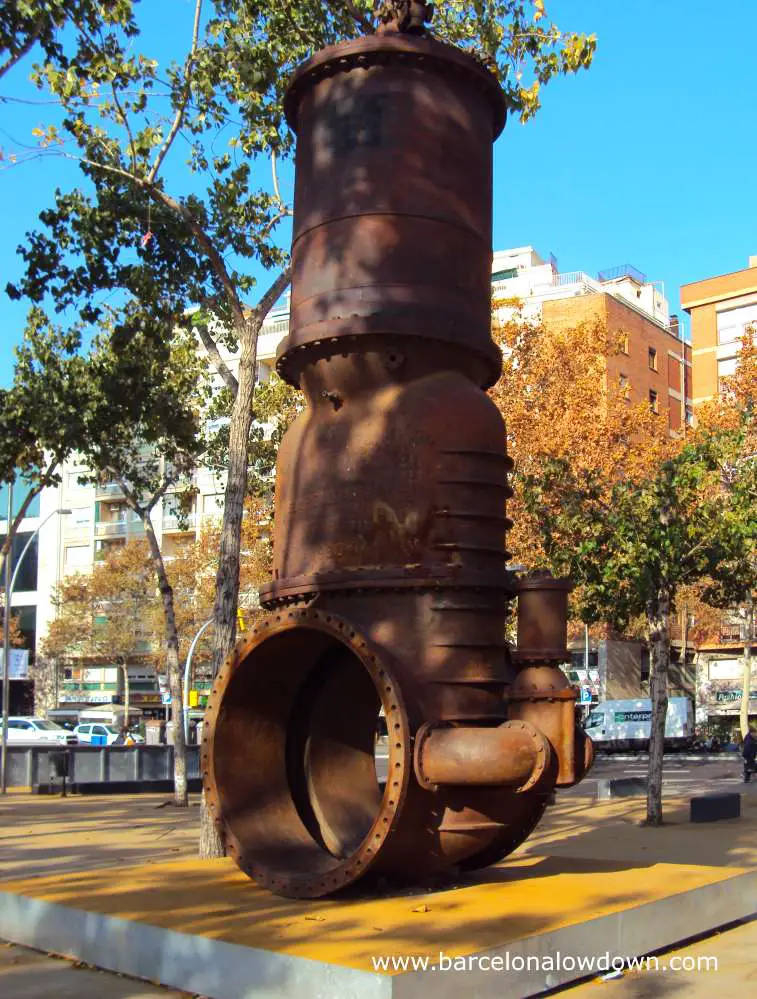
[721, 308]
[655, 366]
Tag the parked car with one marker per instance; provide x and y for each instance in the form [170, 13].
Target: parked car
[99, 734]
[37, 732]
[96, 734]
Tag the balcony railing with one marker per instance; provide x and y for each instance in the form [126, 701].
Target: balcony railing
[280, 325]
[575, 277]
[623, 270]
[172, 523]
[119, 528]
[109, 490]
[732, 633]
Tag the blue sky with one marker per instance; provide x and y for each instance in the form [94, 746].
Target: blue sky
[648, 158]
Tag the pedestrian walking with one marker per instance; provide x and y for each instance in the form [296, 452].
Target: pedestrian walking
[749, 752]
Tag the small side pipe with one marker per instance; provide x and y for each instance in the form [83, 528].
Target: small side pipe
[513, 754]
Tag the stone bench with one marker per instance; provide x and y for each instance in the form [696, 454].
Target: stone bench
[621, 787]
[714, 807]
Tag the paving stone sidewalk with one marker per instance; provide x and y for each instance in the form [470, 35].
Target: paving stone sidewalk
[27, 974]
[46, 836]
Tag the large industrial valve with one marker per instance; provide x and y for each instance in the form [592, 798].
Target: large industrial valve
[390, 589]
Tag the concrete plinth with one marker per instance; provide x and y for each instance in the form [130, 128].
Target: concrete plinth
[205, 928]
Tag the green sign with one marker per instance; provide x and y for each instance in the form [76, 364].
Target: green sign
[733, 695]
[632, 716]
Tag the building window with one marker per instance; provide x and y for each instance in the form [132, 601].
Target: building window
[20, 492]
[27, 572]
[505, 275]
[726, 371]
[732, 324]
[212, 505]
[689, 416]
[624, 385]
[653, 404]
[76, 558]
[624, 343]
[652, 359]
[644, 666]
[72, 480]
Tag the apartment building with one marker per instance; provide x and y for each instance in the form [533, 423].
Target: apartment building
[25, 595]
[721, 308]
[655, 365]
[720, 668]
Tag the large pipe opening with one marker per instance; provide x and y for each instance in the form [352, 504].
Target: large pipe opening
[293, 757]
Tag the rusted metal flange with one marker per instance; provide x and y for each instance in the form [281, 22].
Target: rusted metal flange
[287, 759]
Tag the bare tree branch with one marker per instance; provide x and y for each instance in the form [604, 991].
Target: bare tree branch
[44, 480]
[271, 296]
[218, 362]
[275, 178]
[173, 131]
[206, 243]
[363, 21]
[15, 57]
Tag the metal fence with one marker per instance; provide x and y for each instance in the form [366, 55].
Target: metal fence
[30, 765]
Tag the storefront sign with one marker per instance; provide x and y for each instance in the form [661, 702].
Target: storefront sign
[85, 697]
[726, 669]
[145, 698]
[733, 695]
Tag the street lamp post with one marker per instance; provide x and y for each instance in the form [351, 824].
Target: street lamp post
[188, 677]
[10, 583]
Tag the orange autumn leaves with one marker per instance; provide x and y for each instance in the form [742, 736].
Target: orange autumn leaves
[557, 403]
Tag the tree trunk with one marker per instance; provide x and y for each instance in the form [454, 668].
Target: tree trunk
[45, 674]
[211, 845]
[127, 705]
[658, 621]
[172, 667]
[227, 578]
[747, 666]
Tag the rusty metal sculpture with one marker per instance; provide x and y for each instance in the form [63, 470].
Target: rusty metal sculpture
[390, 585]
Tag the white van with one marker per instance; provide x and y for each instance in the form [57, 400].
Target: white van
[626, 724]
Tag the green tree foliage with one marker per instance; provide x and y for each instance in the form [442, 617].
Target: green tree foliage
[144, 431]
[632, 550]
[25, 24]
[43, 413]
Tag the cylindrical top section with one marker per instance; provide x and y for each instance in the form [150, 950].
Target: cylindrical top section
[542, 617]
[375, 49]
[393, 197]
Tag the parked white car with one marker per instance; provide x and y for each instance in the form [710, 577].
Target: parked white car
[99, 734]
[37, 732]
[96, 734]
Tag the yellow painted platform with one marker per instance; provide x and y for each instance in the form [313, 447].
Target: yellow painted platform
[526, 896]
